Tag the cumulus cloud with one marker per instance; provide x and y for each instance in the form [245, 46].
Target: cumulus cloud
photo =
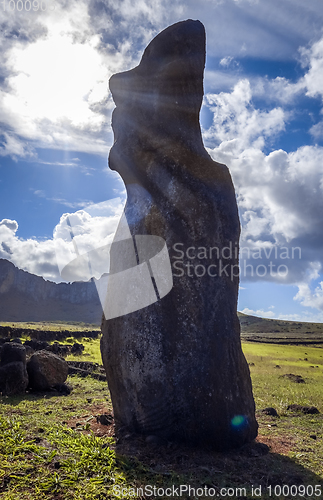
[37, 257]
[310, 298]
[313, 57]
[54, 92]
[70, 52]
[259, 312]
[280, 193]
[310, 291]
[91, 228]
[317, 131]
[12, 225]
[236, 123]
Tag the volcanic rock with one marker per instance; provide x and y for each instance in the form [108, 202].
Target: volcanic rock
[13, 373]
[46, 370]
[175, 368]
[307, 410]
[298, 379]
[12, 352]
[13, 378]
[270, 411]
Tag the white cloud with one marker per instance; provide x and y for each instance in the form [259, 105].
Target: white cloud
[279, 89]
[306, 295]
[314, 77]
[306, 316]
[237, 125]
[76, 204]
[317, 131]
[303, 315]
[57, 63]
[226, 61]
[37, 257]
[14, 147]
[310, 298]
[269, 30]
[280, 194]
[12, 225]
[92, 227]
[56, 90]
[269, 187]
[260, 312]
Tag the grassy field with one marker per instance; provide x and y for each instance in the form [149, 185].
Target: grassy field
[281, 331]
[52, 447]
[51, 325]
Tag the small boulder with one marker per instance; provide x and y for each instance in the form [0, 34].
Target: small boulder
[270, 411]
[13, 378]
[298, 379]
[63, 389]
[36, 345]
[77, 349]
[12, 352]
[104, 419]
[46, 370]
[307, 410]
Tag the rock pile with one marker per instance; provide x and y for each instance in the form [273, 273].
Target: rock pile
[40, 345]
[45, 335]
[43, 371]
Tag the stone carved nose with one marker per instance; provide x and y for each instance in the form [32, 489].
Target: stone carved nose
[121, 87]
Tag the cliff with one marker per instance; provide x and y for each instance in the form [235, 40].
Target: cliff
[26, 297]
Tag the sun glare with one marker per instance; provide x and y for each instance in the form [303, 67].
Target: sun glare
[57, 79]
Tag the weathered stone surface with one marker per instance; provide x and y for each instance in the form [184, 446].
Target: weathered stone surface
[46, 370]
[12, 352]
[13, 373]
[175, 369]
[13, 378]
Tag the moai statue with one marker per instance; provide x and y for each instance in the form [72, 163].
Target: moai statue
[174, 366]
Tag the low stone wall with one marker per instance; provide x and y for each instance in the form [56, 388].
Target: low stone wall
[46, 335]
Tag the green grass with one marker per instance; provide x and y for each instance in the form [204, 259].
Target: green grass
[49, 448]
[270, 389]
[273, 361]
[91, 350]
[35, 439]
[52, 325]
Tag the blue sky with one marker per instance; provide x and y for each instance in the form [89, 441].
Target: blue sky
[262, 116]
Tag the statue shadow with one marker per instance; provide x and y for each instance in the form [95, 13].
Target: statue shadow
[253, 466]
[16, 399]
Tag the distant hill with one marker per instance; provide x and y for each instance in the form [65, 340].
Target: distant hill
[26, 297]
[280, 331]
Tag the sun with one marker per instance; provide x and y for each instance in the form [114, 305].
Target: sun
[57, 79]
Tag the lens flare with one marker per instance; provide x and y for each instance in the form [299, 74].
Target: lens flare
[238, 421]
